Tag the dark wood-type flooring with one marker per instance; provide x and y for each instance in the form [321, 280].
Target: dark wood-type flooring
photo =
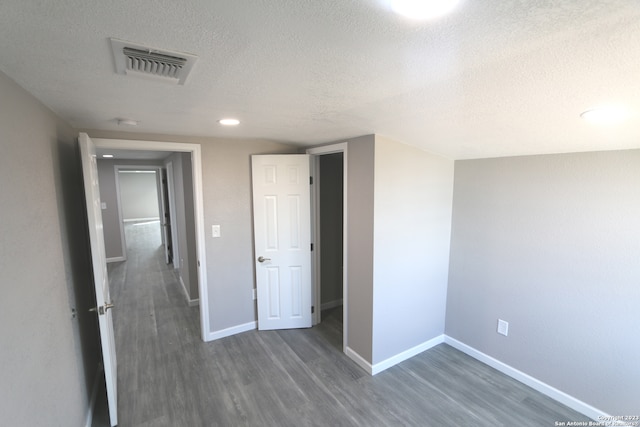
[168, 377]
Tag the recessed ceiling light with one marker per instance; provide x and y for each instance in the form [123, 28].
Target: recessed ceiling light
[606, 115]
[127, 122]
[229, 122]
[423, 9]
[107, 156]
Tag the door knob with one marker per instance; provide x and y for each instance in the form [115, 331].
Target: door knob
[263, 259]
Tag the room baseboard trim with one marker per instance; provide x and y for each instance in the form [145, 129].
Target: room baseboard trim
[546, 389]
[116, 259]
[216, 335]
[93, 398]
[407, 354]
[361, 361]
[141, 219]
[331, 304]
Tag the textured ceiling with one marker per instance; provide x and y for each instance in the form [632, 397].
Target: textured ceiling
[494, 78]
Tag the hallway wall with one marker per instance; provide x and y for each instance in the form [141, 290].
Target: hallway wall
[49, 355]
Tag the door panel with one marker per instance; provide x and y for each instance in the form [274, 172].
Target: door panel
[282, 225]
[101, 279]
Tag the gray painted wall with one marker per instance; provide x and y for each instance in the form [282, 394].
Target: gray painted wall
[185, 222]
[138, 196]
[49, 359]
[412, 230]
[331, 219]
[109, 195]
[360, 204]
[552, 245]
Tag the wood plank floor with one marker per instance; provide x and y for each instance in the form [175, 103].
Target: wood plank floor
[168, 377]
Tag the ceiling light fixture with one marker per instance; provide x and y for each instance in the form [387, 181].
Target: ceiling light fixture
[127, 122]
[423, 9]
[107, 156]
[229, 122]
[605, 115]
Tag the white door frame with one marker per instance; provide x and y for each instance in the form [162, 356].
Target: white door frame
[195, 150]
[316, 152]
[175, 243]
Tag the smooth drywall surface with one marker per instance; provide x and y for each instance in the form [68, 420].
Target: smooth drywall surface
[110, 216]
[139, 195]
[360, 205]
[190, 225]
[331, 185]
[108, 194]
[185, 222]
[226, 175]
[412, 230]
[551, 244]
[49, 357]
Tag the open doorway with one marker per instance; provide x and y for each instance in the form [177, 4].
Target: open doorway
[185, 161]
[329, 165]
[139, 204]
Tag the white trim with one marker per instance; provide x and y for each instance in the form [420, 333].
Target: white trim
[546, 389]
[173, 216]
[116, 259]
[190, 302]
[94, 394]
[331, 304]
[342, 147]
[156, 219]
[196, 155]
[360, 361]
[407, 354]
[223, 333]
[184, 289]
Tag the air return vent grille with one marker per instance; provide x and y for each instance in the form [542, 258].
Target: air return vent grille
[136, 59]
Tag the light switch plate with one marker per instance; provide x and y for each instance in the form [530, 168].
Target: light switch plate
[103, 205]
[503, 327]
[215, 231]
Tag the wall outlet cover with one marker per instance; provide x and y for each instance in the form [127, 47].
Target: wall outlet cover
[503, 327]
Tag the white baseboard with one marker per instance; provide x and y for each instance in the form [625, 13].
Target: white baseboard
[394, 360]
[361, 361]
[546, 389]
[190, 302]
[156, 219]
[216, 335]
[116, 259]
[331, 304]
[94, 395]
[407, 354]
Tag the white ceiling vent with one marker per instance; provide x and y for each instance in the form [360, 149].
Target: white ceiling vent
[131, 58]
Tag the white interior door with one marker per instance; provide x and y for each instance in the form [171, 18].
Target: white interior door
[99, 262]
[282, 233]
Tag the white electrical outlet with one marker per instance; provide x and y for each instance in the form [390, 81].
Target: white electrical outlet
[215, 231]
[503, 327]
